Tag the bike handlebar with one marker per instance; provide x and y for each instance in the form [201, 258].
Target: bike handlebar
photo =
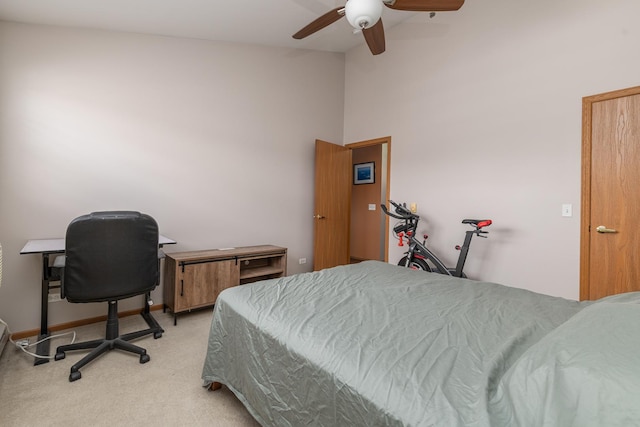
[405, 214]
[401, 211]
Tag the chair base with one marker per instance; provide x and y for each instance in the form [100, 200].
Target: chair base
[100, 347]
[111, 341]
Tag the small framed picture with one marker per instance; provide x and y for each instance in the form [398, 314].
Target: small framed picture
[364, 173]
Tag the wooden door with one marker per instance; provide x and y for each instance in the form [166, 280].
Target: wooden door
[332, 206]
[610, 258]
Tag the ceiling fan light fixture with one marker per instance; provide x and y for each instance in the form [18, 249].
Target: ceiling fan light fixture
[363, 14]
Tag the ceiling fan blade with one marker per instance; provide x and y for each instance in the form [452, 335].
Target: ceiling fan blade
[375, 37]
[323, 21]
[425, 5]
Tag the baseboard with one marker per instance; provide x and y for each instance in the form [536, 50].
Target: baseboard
[82, 322]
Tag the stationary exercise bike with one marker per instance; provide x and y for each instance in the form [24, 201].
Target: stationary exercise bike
[418, 257]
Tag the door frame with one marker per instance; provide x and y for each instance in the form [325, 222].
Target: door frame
[585, 209]
[386, 178]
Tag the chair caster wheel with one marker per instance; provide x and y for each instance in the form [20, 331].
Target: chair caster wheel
[59, 356]
[74, 376]
[144, 358]
[157, 335]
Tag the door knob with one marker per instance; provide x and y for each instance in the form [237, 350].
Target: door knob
[318, 216]
[603, 229]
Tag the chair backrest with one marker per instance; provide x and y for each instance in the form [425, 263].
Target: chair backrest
[110, 256]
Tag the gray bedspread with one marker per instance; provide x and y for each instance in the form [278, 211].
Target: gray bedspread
[374, 344]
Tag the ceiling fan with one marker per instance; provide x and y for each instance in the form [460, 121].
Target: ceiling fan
[366, 15]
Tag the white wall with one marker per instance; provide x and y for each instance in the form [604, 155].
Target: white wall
[215, 140]
[484, 107]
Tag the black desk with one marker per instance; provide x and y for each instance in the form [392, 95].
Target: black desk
[47, 247]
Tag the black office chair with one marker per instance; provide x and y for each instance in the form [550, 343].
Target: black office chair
[110, 256]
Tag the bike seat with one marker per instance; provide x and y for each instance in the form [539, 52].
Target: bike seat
[479, 223]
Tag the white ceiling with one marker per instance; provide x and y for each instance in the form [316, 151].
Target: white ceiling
[267, 22]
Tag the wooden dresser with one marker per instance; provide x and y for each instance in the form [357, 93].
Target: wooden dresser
[194, 279]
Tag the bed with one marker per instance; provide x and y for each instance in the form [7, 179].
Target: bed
[373, 344]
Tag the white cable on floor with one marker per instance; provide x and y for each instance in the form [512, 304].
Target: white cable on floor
[24, 348]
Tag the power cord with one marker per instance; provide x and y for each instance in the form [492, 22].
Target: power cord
[24, 344]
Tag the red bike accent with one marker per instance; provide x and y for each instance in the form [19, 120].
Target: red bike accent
[484, 223]
[400, 236]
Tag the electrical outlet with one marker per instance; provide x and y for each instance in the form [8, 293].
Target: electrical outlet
[302, 261]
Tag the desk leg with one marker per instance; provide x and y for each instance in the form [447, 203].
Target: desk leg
[43, 347]
[154, 326]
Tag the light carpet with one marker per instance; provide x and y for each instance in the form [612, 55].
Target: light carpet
[115, 389]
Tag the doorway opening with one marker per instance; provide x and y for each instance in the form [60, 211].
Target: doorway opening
[369, 228]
